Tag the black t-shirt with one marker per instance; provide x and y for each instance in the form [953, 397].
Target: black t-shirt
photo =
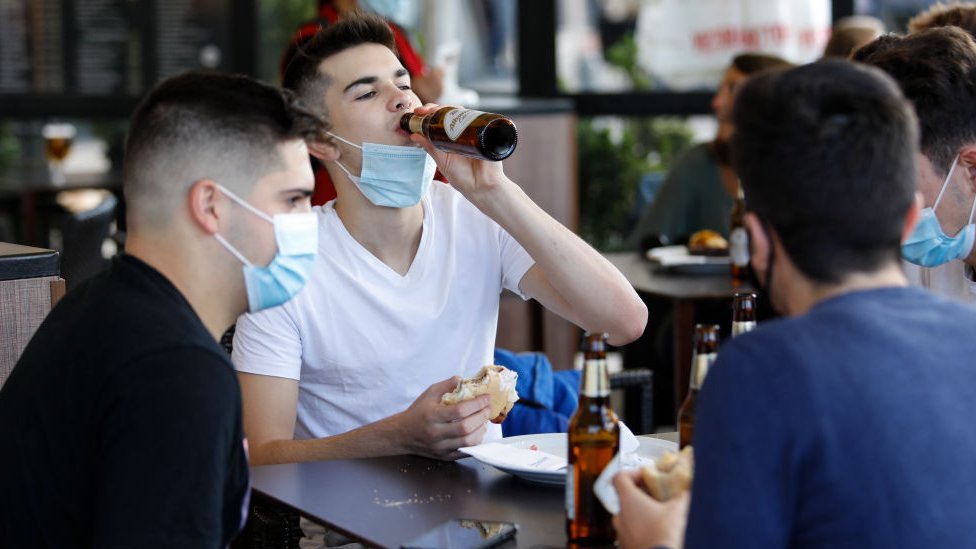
[120, 425]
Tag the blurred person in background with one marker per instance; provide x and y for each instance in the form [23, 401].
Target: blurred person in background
[845, 424]
[936, 69]
[852, 32]
[701, 186]
[697, 194]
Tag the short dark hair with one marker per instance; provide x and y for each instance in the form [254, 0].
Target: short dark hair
[936, 70]
[752, 63]
[301, 71]
[845, 41]
[206, 125]
[826, 156]
[962, 15]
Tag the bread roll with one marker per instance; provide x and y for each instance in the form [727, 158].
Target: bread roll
[708, 238]
[670, 475]
[496, 381]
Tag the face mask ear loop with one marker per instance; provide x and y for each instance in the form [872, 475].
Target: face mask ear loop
[346, 141]
[232, 250]
[244, 204]
[351, 144]
[945, 183]
[352, 177]
[972, 211]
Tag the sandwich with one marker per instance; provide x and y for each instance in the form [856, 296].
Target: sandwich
[493, 380]
[670, 475]
[707, 241]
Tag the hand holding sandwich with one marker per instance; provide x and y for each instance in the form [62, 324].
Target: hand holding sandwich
[644, 521]
[433, 429]
[654, 502]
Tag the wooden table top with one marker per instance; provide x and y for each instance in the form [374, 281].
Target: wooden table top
[388, 501]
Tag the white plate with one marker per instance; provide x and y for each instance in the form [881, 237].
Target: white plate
[555, 444]
[677, 259]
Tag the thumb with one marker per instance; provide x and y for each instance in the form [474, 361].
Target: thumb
[445, 386]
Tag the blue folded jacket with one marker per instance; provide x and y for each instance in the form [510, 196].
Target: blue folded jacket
[547, 399]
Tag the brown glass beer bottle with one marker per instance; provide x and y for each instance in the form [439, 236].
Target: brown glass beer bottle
[476, 134]
[706, 349]
[594, 439]
[738, 239]
[743, 313]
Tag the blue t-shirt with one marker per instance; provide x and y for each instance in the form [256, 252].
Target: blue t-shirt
[849, 426]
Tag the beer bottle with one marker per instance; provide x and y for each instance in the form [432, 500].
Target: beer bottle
[706, 349]
[738, 238]
[594, 439]
[476, 134]
[743, 312]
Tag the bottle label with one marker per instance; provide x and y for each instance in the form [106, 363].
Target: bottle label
[596, 381]
[458, 120]
[570, 495]
[739, 247]
[739, 328]
[702, 363]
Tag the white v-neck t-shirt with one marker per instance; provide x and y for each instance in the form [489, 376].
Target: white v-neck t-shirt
[953, 280]
[363, 341]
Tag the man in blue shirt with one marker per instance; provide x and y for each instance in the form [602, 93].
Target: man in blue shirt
[845, 423]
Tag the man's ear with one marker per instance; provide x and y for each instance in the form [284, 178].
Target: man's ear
[326, 152]
[202, 202]
[758, 243]
[912, 216]
[967, 159]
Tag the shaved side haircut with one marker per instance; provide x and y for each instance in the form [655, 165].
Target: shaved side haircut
[936, 70]
[301, 73]
[203, 125]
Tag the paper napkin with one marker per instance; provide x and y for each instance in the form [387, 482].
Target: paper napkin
[498, 454]
[627, 458]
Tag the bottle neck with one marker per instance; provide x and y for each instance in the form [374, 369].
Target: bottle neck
[699, 369]
[596, 379]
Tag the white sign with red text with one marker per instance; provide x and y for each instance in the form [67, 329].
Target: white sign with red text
[688, 44]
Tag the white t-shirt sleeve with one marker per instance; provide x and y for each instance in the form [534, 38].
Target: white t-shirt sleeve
[515, 262]
[268, 343]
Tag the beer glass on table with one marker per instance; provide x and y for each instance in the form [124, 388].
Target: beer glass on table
[58, 138]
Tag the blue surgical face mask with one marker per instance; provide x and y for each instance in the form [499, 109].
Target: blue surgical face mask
[928, 245]
[297, 237]
[392, 175]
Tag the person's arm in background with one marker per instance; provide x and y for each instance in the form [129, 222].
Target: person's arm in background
[569, 277]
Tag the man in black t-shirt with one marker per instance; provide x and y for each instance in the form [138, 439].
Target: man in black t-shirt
[121, 422]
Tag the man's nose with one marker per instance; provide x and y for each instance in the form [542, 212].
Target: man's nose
[402, 100]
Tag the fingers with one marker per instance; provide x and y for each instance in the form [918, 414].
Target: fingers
[438, 430]
[471, 407]
[626, 484]
[442, 387]
[425, 144]
[645, 522]
[633, 475]
[426, 108]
